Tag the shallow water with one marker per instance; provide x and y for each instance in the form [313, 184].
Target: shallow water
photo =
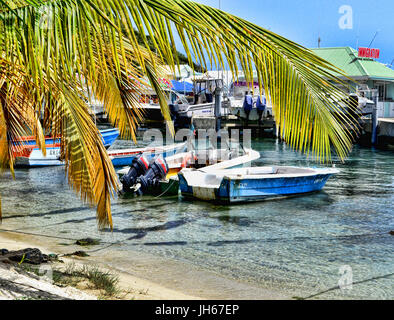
[295, 245]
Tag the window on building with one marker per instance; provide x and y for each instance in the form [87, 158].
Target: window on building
[382, 92]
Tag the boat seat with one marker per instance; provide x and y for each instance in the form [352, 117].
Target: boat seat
[261, 171]
[213, 179]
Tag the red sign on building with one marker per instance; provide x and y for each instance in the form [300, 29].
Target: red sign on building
[368, 53]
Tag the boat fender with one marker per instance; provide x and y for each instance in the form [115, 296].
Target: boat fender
[187, 159]
[157, 171]
[139, 166]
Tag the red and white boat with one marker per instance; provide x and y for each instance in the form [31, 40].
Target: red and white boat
[29, 155]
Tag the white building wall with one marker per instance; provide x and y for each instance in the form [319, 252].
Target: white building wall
[391, 108]
[385, 109]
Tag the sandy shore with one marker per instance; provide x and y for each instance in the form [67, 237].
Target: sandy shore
[146, 277]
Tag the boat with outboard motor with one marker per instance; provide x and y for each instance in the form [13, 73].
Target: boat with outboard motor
[237, 97]
[252, 184]
[160, 177]
[204, 100]
[151, 108]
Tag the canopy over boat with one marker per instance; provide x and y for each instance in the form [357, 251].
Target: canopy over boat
[182, 86]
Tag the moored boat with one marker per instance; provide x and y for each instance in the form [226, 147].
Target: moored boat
[29, 155]
[170, 185]
[206, 159]
[252, 184]
[237, 97]
[124, 157]
[204, 99]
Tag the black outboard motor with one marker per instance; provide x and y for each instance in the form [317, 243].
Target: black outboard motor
[139, 166]
[157, 170]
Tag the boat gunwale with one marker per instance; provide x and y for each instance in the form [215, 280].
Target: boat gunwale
[316, 172]
[250, 155]
[131, 151]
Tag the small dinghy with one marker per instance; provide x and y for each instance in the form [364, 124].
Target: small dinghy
[29, 155]
[251, 184]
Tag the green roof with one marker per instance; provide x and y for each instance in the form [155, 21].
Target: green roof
[346, 58]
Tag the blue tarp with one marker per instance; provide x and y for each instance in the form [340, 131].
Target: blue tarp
[181, 86]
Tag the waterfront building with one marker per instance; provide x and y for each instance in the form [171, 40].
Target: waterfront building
[367, 74]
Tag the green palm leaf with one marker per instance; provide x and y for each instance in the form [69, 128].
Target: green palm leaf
[67, 47]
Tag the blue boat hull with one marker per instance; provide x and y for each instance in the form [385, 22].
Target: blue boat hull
[231, 191]
[109, 136]
[249, 190]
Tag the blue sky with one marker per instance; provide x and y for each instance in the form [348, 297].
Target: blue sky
[302, 20]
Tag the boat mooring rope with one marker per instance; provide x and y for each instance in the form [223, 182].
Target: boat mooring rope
[108, 244]
[338, 287]
[169, 187]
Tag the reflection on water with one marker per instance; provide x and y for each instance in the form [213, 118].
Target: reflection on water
[296, 244]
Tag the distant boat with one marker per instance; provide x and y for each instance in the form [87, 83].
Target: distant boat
[236, 100]
[124, 157]
[151, 106]
[252, 184]
[204, 99]
[31, 156]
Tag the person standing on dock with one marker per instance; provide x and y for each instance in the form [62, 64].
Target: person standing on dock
[248, 105]
[261, 105]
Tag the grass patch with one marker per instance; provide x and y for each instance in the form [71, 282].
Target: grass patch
[102, 280]
[95, 278]
[29, 268]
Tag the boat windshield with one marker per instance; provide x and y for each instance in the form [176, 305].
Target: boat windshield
[178, 98]
[204, 90]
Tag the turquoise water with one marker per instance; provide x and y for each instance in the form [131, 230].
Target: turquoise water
[295, 245]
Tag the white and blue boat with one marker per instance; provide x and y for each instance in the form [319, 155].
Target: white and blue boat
[30, 155]
[252, 184]
[109, 136]
[208, 159]
[124, 157]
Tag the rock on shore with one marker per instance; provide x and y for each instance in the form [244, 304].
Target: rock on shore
[29, 255]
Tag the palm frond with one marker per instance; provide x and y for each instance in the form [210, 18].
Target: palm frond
[90, 171]
[68, 46]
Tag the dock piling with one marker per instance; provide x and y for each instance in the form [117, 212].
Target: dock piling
[375, 118]
[218, 105]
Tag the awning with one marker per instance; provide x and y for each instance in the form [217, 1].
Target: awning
[181, 86]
